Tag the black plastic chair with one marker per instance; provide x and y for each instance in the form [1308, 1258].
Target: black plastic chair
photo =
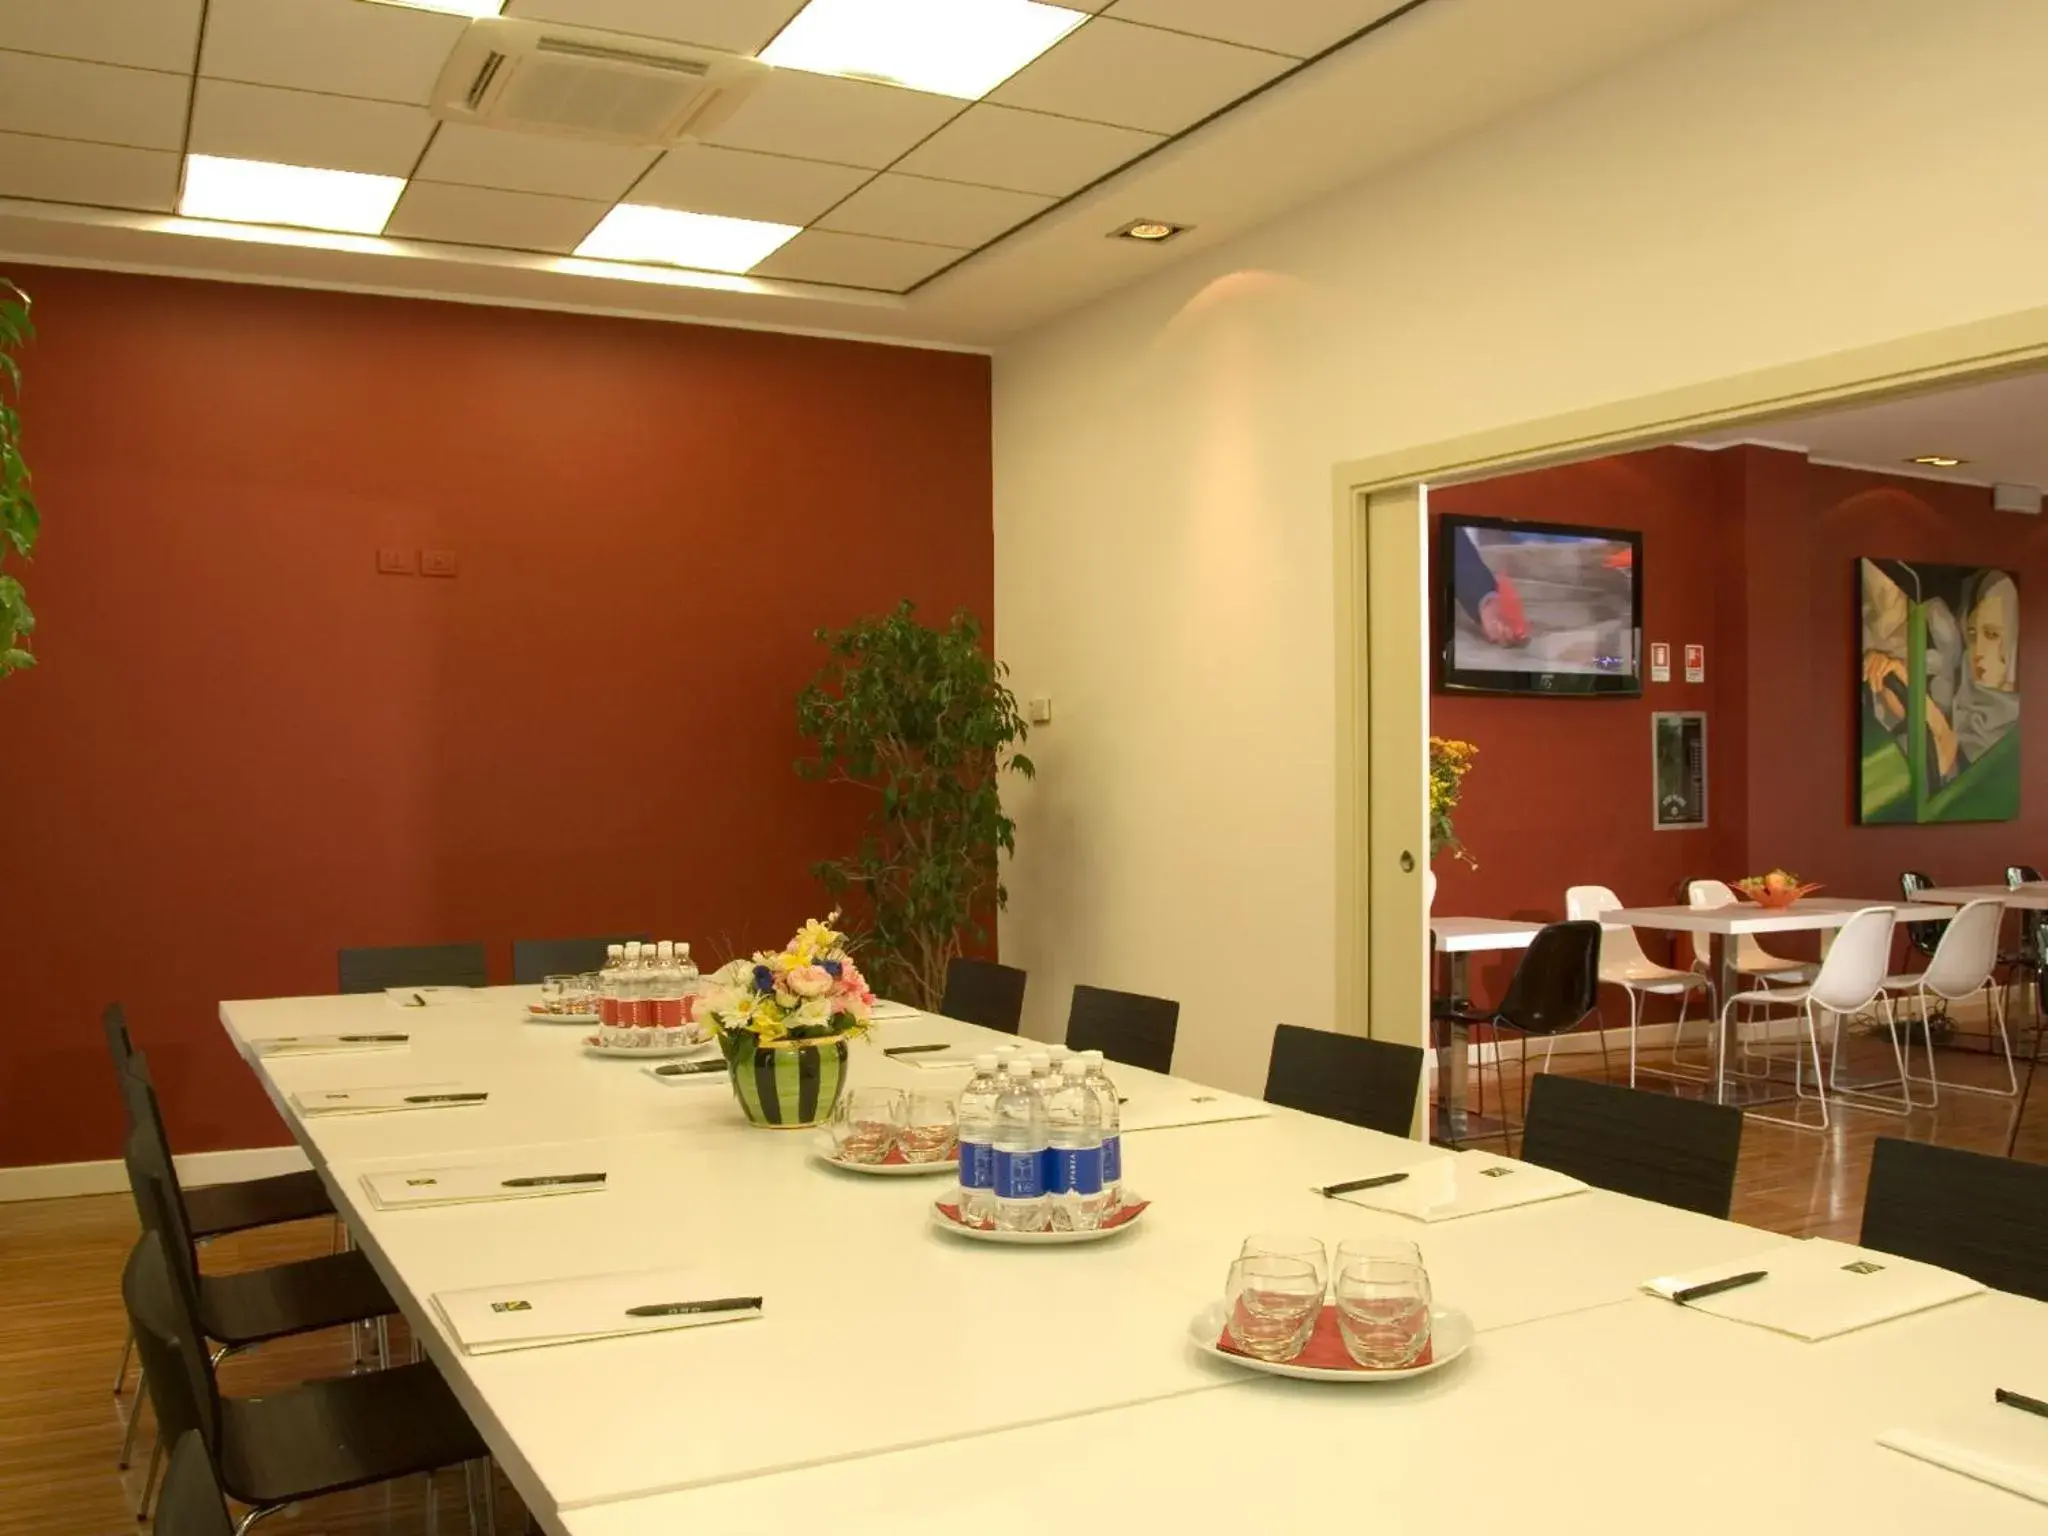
[192, 1503]
[317, 1438]
[1678, 1152]
[1981, 1216]
[1125, 1026]
[1373, 1083]
[1555, 988]
[1923, 937]
[985, 993]
[416, 965]
[535, 960]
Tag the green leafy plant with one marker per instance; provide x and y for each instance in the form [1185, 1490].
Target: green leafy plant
[19, 520]
[921, 718]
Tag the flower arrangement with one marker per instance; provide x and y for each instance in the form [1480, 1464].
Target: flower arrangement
[808, 990]
[1449, 762]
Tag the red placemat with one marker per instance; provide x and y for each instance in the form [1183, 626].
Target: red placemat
[1117, 1218]
[1325, 1349]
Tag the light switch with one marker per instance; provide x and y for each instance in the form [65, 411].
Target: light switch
[1039, 711]
[437, 562]
[394, 562]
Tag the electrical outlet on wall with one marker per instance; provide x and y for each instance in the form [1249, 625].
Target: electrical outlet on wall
[394, 562]
[1039, 711]
[437, 562]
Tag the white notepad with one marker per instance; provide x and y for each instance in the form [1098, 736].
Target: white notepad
[404, 1188]
[1149, 1106]
[376, 1101]
[426, 997]
[330, 1045]
[1470, 1184]
[2005, 1447]
[884, 1009]
[940, 1061]
[537, 1313]
[1815, 1289]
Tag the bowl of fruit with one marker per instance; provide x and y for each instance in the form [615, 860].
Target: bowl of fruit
[1780, 888]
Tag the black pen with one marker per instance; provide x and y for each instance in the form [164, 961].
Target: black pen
[912, 1050]
[374, 1039]
[1373, 1183]
[688, 1068]
[1716, 1287]
[446, 1098]
[690, 1308]
[418, 1001]
[2021, 1401]
[537, 1180]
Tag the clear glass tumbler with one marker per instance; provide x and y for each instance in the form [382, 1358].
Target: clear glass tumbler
[866, 1124]
[1383, 1312]
[931, 1122]
[1270, 1305]
[1288, 1245]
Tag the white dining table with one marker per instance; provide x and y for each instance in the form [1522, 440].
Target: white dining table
[2031, 897]
[1458, 939]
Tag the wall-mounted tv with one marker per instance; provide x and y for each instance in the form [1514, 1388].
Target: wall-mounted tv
[1540, 608]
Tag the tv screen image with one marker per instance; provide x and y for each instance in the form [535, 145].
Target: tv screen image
[1540, 607]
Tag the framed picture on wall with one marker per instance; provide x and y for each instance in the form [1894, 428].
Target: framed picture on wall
[1678, 770]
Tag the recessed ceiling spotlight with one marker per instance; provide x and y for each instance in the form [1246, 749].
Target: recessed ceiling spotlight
[1937, 460]
[1151, 231]
[258, 192]
[637, 232]
[963, 48]
[452, 7]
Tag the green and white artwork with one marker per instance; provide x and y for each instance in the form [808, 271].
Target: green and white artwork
[1938, 682]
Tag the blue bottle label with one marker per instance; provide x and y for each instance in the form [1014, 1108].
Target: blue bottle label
[1048, 1178]
[977, 1165]
[1019, 1175]
[1079, 1171]
[1112, 1159]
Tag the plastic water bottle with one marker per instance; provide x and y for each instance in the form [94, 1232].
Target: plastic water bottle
[608, 985]
[1057, 1055]
[1111, 1130]
[977, 1117]
[636, 1008]
[665, 987]
[1018, 1144]
[1073, 1130]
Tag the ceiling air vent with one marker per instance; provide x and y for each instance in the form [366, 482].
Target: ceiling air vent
[507, 73]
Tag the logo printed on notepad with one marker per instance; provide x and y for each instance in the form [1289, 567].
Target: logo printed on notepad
[1862, 1267]
[511, 1306]
[1495, 1172]
[416, 1183]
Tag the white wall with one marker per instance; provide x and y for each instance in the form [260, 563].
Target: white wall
[1812, 176]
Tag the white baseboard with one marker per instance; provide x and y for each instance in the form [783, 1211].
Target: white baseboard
[56, 1181]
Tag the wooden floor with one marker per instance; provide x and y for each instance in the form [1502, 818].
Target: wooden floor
[61, 1323]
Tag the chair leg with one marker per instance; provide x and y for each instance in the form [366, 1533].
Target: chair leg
[260, 1512]
[128, 1430]
[2019, 1111]
[490, 1497]
[1635, 1019]
[156, 1457]
[1600, 1027]
[121, 1370]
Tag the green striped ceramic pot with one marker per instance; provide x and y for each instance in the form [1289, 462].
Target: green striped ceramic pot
[786, 1084]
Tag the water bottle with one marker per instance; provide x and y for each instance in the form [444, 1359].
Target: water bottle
[608, 985]
[1073, 1130]
[977, 1117]
[632, 1013]
[1018, 1143]
[1111, 1130]
[665, 988]
[1057, 1055]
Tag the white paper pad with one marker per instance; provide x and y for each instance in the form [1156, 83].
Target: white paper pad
[1469, 1184]
[537, 1313]
[940, 1061]
[426, 997]
[402, 1188]
[1817, 1289]
[373, 1101]
[884, 1009]
[330, 1045]
[1150, 1107]
[2005, 1447]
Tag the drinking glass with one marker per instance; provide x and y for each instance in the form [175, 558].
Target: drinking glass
[930, 1126]
[1288, 1245]
[1358, 1250]
[1270, 1305]
[866, 1124]
[1383, 1312]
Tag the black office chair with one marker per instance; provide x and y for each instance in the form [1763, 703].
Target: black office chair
[1373, 1083]
[1678, 1152]
[1125, 1026]
[535, 960]
[985, 993]
[191, 1503]
[418, 965]
[317, 1438]
[1923, 937]
[1981, 1216]
[1555, 988]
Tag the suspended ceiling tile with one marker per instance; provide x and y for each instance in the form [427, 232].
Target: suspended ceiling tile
[1138, 77]
[519, 221]
[856, 261]
[936, 212]
[337, 133]
[736, 26]
[103, 175]
[740, 184]
[345, 47]
[1302, 28]
[1025, 151]
[143, 34]
[822, 117]
[533, 162]
[105, 103]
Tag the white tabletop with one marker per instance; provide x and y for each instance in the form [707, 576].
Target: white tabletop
[1814, 912]
[1460, 935]
[2033, 897]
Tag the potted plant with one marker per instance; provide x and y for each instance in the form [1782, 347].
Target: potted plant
[921, 719]
[783, 1019]
[1449, 762]
[19, 520]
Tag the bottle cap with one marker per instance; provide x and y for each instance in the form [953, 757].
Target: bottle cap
[1040, 1062]
[1019, 1067]
[985, 1062]
[665, 949]
[1094, 1059]
[614, 951]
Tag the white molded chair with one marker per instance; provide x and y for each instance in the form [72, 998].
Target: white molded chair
[1751, 958]
[1623, 964]
[1963, 964]
[1849, 980]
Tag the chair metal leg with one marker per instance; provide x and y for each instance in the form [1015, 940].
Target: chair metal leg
[490, 1497]
[156, 1457]
[121, 1370]
[134, 1413]
[433, 1507]
[1865, 1095]
[2019, 1110]
[260, 1512]
[1799, 1061]
[1635, 1020]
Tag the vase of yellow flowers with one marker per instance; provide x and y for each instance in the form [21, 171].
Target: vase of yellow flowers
[783, 1019]
[1449, 762]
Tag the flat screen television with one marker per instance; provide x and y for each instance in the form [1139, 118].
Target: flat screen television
[1540, 608]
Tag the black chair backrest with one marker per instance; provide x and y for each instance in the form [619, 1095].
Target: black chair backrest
[985, 993]
[1922, 936]
[114, 1025]
[416, 965]
[2035, 924]
[536, 959]
[1373, 1083]
[147, 1153]
[1125, 1026]
[182, 1390]
[1679, 1152]
[190, 1502]
[1558, 981]
[1981, 1216]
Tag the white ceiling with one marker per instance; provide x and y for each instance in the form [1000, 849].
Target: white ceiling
[924, 217]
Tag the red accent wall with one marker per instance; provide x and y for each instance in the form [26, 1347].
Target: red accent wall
[245, 748]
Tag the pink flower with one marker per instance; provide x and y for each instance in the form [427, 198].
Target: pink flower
[809, 981]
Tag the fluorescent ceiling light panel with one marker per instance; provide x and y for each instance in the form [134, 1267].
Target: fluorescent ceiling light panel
[452, 7]
[257, 192]
[635, 232]
[963, 48]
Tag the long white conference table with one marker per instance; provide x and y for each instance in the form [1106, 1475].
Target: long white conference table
[903, 1379]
